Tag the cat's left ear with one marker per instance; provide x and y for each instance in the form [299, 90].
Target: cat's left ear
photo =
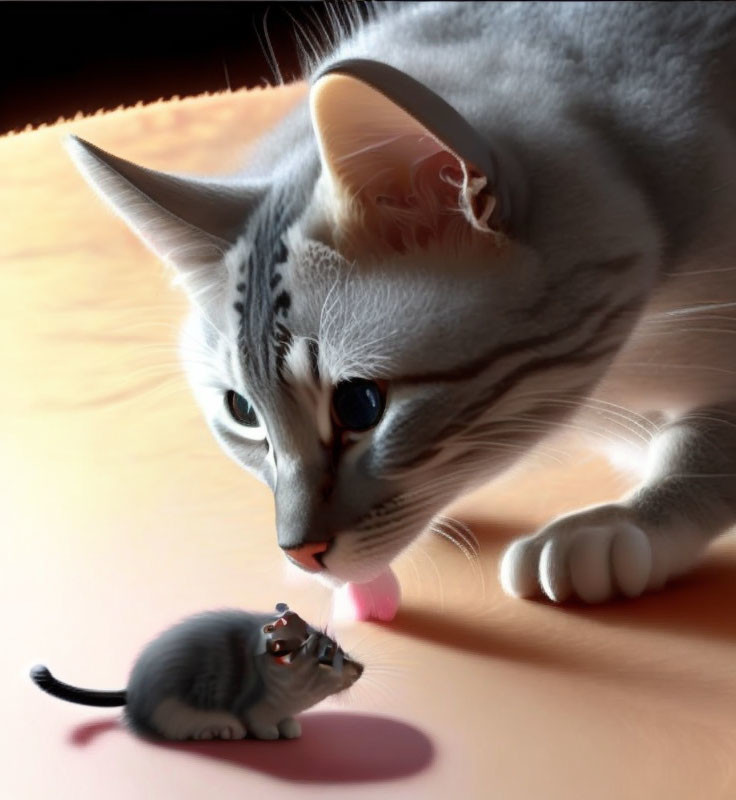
[189, 223]
[403, 165]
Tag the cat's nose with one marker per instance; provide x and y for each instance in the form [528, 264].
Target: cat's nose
[307, 555]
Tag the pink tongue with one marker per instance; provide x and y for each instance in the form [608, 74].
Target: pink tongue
[378, 599]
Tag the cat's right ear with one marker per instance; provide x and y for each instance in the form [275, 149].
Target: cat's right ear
[403, 167]
[189, 223]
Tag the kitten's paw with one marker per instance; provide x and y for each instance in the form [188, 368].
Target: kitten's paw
[174, 719]
[267, 732]
[290, 728]
[231, 730]
[595, 555]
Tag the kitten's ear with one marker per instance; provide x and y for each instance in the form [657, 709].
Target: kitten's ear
[188, 223]
[402, 163]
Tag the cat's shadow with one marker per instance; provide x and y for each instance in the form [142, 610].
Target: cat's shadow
[334, 748]
[696, 604]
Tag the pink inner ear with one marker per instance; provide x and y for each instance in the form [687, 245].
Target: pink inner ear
[407, 188]
[412, 197]
[396, 185]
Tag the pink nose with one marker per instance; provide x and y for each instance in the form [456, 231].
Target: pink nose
[305, 555]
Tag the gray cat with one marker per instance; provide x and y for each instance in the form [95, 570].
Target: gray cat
[487, 218]
[222, 675]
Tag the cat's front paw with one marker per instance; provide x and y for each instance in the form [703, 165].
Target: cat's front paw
[595, 555]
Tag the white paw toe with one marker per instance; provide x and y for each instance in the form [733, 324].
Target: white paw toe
[553, 572]
[518, 570]
[631, 560]
[589, 563]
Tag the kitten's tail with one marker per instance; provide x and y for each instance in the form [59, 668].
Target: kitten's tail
[41, 676]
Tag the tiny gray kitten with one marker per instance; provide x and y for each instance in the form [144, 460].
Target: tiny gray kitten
[224, 675]
[485, 219]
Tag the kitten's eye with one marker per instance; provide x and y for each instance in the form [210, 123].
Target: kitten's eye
[357, 405]
[241, 410]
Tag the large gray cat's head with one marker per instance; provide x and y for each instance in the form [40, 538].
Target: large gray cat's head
[381, 317]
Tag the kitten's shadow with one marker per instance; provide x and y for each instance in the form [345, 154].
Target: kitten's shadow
[334, 748]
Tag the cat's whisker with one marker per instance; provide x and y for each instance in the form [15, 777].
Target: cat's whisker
[442, 528]
[680, 330]
[473, 556]
[489, 445]
[662, 367]
[437, 529]
[412, 563]
[528, 424]
[438, 576]
[702, 306]
[669, 323]
[440, 486]
[698, 272]
[691, 475]
[708, 418]
[616, 416]
[464, 530]
[623, 419]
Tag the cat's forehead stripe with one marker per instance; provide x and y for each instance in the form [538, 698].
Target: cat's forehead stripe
[262, 333]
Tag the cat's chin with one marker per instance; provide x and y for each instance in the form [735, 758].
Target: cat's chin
[326, 578]
[337, 575]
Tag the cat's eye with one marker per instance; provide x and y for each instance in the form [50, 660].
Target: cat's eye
[357, 405]
[241, 410]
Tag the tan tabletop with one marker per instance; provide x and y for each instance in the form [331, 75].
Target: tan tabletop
[119, 515]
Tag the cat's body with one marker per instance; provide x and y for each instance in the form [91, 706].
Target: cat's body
[573, 250]
[224, 675]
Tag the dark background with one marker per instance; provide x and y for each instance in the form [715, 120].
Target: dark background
[57, 58]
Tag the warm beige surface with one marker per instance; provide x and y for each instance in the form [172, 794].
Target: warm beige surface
[119, 515]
